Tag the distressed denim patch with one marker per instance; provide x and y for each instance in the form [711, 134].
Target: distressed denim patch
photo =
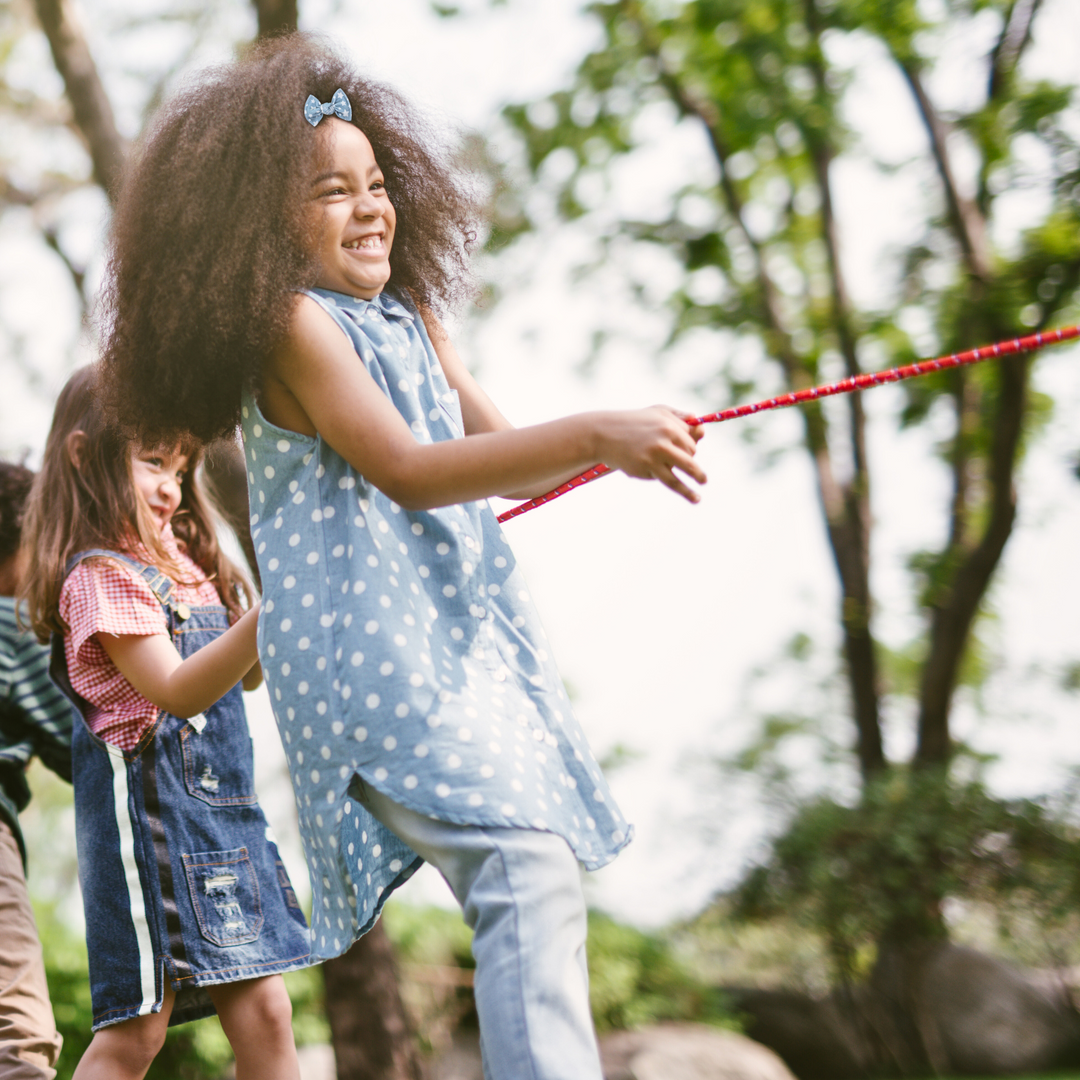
[225, 895]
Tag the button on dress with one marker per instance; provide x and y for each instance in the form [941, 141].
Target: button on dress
[402, 647]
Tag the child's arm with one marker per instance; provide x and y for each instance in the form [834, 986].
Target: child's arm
[480, 414]
[182, 687]
[316, 384]
[253, 678]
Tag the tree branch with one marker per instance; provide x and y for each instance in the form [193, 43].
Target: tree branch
[78, 277]
[93, 114]
[845, 509]
[966, 401]
[968, 224]
[850, 533]
[952, 620]
[276, 16]
[968, 563]
[1015, 37]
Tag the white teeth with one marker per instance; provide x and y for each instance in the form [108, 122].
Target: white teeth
[365, 242]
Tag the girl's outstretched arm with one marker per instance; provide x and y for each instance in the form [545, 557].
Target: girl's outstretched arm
[478, 412]
[315, 384]
[182, 687]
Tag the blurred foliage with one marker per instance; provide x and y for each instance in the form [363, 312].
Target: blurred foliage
[884, 868]
[699, 141]
[635, 978]
[916, 853]
[763, 76]
[428, 935]
[719, 948]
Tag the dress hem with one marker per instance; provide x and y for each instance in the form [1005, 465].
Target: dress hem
[190, 982]
[497, 821]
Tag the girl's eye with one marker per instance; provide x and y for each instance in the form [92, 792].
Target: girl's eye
[155, 461]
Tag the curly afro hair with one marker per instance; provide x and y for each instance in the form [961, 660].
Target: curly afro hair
[212, 234]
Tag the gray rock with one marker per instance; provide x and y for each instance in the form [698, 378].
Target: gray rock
[461, 1060]
[993, 1018]
[317, 1062]
[688, 1052]
[964, 1011]
[813, 1036]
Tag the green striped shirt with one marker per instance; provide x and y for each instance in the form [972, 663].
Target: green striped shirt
[35, 718]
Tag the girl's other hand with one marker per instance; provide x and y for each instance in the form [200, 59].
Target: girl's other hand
[650, 444]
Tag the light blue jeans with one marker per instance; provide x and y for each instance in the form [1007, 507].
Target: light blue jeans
[520, 891]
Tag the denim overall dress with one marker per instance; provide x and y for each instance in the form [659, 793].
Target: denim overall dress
[178, 867]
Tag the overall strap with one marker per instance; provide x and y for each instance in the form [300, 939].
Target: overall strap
[163, 588]
[161, 585]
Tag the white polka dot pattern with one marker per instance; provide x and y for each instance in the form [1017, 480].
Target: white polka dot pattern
[403, 647]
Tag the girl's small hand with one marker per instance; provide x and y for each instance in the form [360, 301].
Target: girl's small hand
[650, 444]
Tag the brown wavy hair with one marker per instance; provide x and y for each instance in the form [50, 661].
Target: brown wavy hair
[95, 505]
[211, 233]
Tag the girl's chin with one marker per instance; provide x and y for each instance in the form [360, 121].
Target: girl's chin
[362, 290]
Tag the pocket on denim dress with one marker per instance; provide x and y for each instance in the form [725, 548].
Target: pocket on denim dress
[213, 770]
[225, 896]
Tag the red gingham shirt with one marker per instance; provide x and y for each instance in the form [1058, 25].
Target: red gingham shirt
[103, 596]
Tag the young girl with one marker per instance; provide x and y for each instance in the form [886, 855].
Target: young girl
[188, 907]
[279, 249]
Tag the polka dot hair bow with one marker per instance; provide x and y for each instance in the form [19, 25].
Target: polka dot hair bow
[338, 105]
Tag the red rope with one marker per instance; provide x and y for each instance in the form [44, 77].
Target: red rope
[845, 386]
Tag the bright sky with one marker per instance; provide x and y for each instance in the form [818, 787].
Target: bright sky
[657, 611]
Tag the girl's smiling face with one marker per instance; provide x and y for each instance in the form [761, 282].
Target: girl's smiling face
[356, 216]
[158, 476]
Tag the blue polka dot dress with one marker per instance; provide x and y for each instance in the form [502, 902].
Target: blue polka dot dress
[402, 647]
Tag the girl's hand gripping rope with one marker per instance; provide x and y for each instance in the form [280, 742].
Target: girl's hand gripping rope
[651, 444]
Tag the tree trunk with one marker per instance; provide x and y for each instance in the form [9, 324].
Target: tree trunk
[276, 16]
[845, 507]
[895, 1009]
[368, 1023]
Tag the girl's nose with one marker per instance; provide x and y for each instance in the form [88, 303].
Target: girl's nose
[368, 206]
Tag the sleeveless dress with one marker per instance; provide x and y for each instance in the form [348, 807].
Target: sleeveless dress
[180, 876]
[402, 647]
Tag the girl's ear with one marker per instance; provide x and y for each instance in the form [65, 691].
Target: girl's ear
[75, 444]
